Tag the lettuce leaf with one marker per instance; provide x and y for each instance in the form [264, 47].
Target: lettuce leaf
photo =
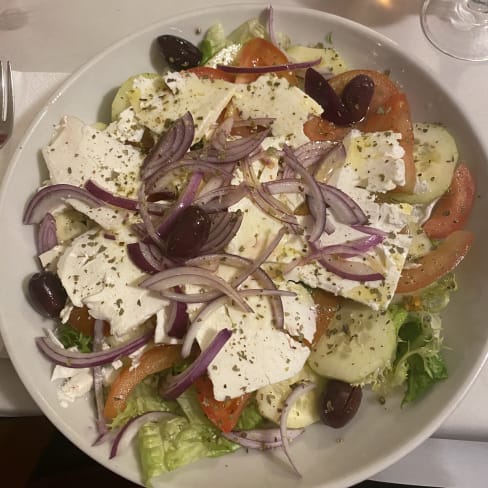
[175, 442]
[418, 363]
[250, 417]
[144, 398]
[71, 337]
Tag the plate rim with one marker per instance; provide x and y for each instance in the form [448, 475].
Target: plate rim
[255, 7]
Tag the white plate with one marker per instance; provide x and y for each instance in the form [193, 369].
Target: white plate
[379, 435]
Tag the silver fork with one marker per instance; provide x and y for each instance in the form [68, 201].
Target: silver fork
[6, 103]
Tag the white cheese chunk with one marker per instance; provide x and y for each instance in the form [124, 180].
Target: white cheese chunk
[97, 272]
[257, 354]
[376, 159]
[80, 152]
[205, 99]
[126, 128]
[270, 96]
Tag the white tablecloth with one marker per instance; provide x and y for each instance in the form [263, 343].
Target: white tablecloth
[56, 36]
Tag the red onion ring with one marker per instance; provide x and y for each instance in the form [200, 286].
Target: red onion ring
[98, 378]
[190, 275]
[222, 198]
[130, 429]
[366, 229]
[261, 439]
[74, 359]
[351, 270]
[46, 234]
[271, 31]
[318, 209]
[176, 385]
[299, 390]
[177, 321]
[171, 146]
[50, 197]
[343, 206]
[268, 69]
[218, 238]
[147, 257]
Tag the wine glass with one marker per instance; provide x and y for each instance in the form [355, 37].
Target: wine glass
[457, 27]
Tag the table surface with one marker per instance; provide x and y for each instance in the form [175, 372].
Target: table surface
[32, 31]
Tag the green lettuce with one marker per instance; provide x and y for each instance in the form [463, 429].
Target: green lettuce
[250, 417]
[144, 398]
[71, 337]
[177, 441]
[418, 363]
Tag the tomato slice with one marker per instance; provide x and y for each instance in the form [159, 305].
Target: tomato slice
[81, 320]
[260, 52]
[437, 263]
[152, 361]
[452, 210]
[211, 73]
[223, 414]
[327, 306]
[319, 129]
[388, 110]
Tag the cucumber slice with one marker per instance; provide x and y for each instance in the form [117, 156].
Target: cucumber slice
[358, 345]
[122, 98]
[435, 157]
[270, 400]
[331, 60]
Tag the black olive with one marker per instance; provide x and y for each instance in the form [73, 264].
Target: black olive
[179, 53]
[47, 294]
[320, 90]
[188, 234]
[356, 97]
[339, 403]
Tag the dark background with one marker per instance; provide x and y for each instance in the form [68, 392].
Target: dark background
[34, 454]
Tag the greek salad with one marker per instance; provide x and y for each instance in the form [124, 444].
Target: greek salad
[258, 234]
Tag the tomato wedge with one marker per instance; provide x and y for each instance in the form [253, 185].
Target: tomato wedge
[388, 110]
[452, 210]
[437, 263]
[211, 73]
[81, 320]
[327, 306]
[152, 361]
[260, 52]
[223, 414]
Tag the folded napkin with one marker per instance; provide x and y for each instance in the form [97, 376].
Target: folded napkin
[31, 92]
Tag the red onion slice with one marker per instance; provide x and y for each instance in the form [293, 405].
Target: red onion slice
[130, 429]
[219, 238]
[184, 200]
[190, 275]
[318, 208]
[74, 359]
[171, 146]
[147, 257]
[222, 198]
[177, 321]
[271, 31]
[117, 201]
[261, 439]
[176, 385]
[98, 378]
[46, 234]
[268, 69]
[343, 206]
[233, 150]
[351, 270]
[50, 197]
[299, 390]
[366, 229]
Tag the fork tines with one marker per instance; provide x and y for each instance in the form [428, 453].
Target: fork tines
[6, 102]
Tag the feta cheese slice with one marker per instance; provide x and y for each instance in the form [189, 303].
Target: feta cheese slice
[97, 272]
[79, 152]
[156, 108]
[270, 96]
[257, 353]
[376, 160]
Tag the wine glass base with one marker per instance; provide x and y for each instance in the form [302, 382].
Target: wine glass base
[455, 29]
